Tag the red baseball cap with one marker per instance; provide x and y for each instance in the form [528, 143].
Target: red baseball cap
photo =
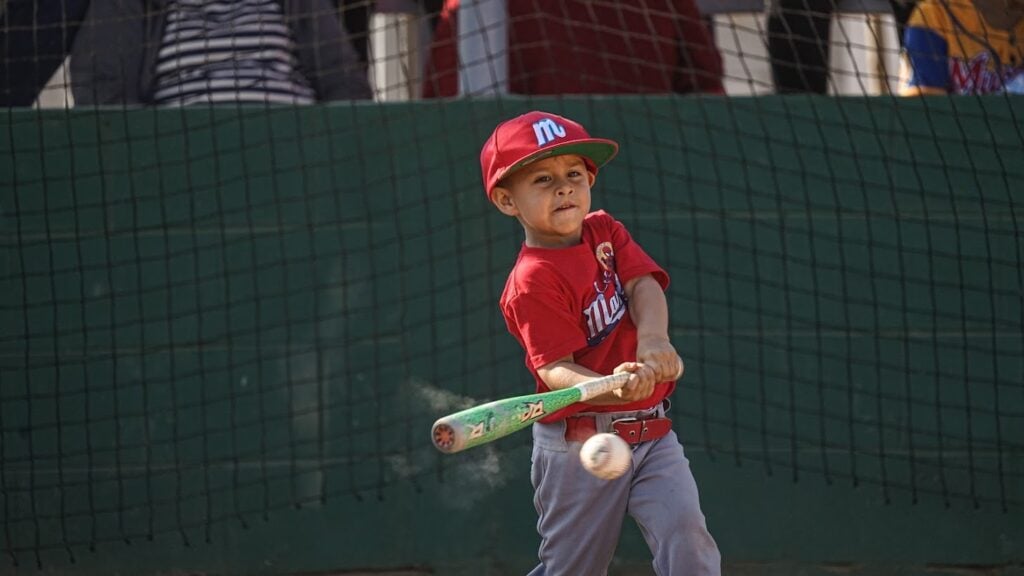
[535, 135]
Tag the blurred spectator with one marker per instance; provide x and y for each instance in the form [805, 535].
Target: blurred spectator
[181, 52]
[799, 40]
[590, 47]
[355, 16]
[35, 37]
[964, 47]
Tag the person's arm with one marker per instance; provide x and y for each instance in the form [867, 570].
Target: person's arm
[566, 372]
[924, 65]
[326, 52]
[657, 360]
[649, 310]
[922, 91]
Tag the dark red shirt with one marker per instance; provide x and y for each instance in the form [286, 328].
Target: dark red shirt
[587, 47]
[562, 301]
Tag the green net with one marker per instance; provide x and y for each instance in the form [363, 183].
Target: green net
[212, 314]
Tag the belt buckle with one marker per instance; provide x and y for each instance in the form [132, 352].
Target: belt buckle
[633, 438]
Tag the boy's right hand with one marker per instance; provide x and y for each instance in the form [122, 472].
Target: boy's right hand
[640, 385]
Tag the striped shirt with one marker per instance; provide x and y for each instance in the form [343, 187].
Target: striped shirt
[228, 51]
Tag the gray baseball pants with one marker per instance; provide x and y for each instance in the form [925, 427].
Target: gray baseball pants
[580, 516]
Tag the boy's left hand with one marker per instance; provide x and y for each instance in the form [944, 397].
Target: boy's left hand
[659, 355]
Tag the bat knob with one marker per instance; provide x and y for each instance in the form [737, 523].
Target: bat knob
[444, 437]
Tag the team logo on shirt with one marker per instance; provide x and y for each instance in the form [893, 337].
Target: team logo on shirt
[608, 307]
[606, 259]
[980, 75]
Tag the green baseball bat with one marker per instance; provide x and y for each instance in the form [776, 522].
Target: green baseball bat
[488, 422]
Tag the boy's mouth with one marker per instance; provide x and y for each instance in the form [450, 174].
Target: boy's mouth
[567, 206]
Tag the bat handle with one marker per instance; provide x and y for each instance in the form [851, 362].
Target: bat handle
[598, 386]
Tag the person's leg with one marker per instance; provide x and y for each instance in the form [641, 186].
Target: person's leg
[798, 44]
[35, 37]
[579, 516]
[665, 503]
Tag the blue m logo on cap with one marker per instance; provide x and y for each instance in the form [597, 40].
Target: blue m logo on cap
[547, 130]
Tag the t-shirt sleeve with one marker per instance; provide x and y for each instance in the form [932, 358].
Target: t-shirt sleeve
[545, 325]
[632, 260]
[926, 50]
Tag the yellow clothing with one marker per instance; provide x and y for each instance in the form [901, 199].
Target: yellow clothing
[950, 46]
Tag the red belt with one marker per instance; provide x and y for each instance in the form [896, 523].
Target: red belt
[632, 430]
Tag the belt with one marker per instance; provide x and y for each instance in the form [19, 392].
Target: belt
[632, 430]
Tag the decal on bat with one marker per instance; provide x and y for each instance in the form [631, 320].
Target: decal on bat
[533, 410]
[477, 430]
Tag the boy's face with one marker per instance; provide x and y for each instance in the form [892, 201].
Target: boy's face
[550, 197]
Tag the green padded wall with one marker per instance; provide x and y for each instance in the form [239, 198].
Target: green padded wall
[225, 333]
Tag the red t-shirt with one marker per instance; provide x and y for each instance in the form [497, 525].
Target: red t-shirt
[585, 47]
[561, 301]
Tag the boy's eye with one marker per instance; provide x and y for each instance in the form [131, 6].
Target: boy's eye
[541, 179]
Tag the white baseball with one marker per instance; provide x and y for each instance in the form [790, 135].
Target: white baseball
[606, 456]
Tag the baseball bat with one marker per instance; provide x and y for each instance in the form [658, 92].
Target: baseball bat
[488, 422]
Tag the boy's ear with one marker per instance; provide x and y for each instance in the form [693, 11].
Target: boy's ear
[592, 177]
[502, 199]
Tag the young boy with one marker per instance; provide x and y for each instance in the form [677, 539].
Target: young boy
[584, 300]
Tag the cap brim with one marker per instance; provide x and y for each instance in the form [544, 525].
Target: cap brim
[597, 150]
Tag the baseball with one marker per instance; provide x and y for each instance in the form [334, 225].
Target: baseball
[606, 456]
